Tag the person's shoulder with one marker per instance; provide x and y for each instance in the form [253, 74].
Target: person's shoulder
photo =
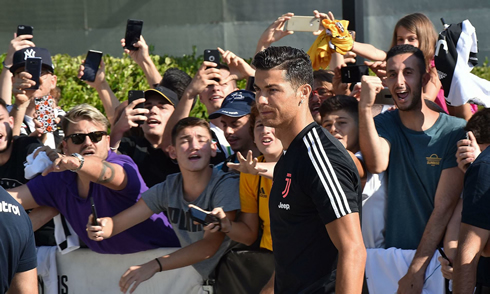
[449, 121]
[387, 116]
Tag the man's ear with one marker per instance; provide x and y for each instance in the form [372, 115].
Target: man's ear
[304, 91]
[171, 152]
[11, 121]
[214, 148]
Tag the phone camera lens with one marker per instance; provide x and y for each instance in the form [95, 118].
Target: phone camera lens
[211, 58]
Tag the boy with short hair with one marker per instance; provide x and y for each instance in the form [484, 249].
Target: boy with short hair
[198, 184]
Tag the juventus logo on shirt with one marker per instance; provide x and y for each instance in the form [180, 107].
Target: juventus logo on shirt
[288, 184]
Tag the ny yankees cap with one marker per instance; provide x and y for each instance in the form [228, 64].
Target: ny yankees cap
[236, 104]
[21, 56]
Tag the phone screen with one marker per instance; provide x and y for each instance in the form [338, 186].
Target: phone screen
[92, 62]
[133, 33]
[33, 66]
[353, 73]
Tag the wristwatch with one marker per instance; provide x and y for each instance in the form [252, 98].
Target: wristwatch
[82, 160]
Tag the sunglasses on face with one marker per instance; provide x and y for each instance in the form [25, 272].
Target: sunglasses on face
[78, 139]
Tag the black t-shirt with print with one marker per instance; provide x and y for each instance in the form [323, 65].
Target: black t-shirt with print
[315, 183]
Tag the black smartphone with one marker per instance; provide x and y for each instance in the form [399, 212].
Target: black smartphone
[202, 216]
[91, 64]
[133, 33]
[250, 84]
[212, 55]
[24, 30]
[94, 212]
[384, 97]
[136, 94]
[33, 66]
[353, 73]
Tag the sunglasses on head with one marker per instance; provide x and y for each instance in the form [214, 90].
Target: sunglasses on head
[78, 139]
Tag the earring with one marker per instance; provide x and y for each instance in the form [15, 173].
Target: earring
[301, 102]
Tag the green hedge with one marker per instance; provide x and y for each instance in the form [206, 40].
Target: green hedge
[123, 75]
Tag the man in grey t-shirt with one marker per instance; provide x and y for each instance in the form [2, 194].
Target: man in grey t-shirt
[197, 184]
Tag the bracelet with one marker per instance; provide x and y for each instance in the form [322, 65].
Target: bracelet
[4, 66]
[159, 264]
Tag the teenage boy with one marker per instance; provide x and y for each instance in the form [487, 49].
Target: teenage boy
[198, 184]
[234, 116]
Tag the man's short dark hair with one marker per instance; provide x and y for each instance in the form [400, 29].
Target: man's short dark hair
[176, 80]
[189, 122]
[479, 124]
[323, 75]
[340, 102]
[294, 61]
[403, 49]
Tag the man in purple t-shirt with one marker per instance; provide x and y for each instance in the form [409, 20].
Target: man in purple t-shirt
[88, 169]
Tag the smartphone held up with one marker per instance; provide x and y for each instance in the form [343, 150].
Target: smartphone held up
[46, 112]
[91, 65]
[24, 30]
[134, 28]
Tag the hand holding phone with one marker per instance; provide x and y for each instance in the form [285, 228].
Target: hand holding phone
[212, 55]
[202, 216]
[45, 112]
[134, 28]
[91, 65]
[133, 95]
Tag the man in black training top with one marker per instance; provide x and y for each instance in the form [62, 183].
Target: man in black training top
[316, 196]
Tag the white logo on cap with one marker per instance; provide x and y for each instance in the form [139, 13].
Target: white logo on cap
[237, 95]
[29, 53]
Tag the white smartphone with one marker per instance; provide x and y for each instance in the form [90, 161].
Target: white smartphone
[303, 24]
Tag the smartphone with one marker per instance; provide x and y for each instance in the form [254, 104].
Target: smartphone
[250, 84]
[303, 24]
[45, 111]
[212, 55]
[33, 66]
[91, 64]
[384, 97]
[353, 73]
[201, 216]
[24, 30]
[133, 95]
[94, 212]
[133, 33]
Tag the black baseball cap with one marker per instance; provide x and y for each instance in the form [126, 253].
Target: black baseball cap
[236, 104]
[20, 57]
[169, 95]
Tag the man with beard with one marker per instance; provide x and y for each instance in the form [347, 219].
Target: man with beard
[88, 169]
[416, 145]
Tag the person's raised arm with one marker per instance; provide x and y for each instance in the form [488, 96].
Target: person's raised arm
[92, 168]
[368, 51]
[251, 165]
[108, 98]
[142, 58]
[375, 150]
[448, 191]
[345, 234]
[16, 44]
[20, 82]
[274, 32]
[204, 77]
[239, 68]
